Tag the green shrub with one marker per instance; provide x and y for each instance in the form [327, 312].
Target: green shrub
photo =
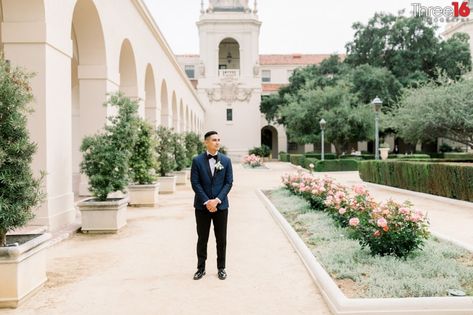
[283, 156]
[194, 146]
[20, 192]
[165, 151]
[179, 152]
[297, 159]
[318, 156]
[336, 165]
[447, 180]
[458, 156]
[263, 151]
[222, 150]
[409, 156]
[143, 161]
[309, 161]
[107, 154]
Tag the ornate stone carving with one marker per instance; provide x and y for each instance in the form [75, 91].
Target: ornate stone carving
[256, 69]
[229, 91]
[202, 69]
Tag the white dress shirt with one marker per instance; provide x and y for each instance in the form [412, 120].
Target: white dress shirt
[212, 163]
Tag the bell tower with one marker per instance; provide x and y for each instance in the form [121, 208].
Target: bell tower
[229, 80]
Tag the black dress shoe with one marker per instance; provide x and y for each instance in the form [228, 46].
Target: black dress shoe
[199, 274]
[222, 275]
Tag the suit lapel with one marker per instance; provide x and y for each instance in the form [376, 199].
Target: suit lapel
[207, 165]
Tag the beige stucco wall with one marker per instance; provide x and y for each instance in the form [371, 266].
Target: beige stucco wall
[43, 36]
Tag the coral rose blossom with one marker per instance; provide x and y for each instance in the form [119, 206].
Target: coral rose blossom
[354, 222]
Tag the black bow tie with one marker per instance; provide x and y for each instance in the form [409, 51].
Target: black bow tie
[210, 156]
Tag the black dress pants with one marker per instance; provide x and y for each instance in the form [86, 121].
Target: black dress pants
[203, 219]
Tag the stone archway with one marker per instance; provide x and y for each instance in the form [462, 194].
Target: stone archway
[175, 115]
[182, 121]
[228, 54]
[152, 113]
[88, 82]
[164, 105]
[269, 137]
[127, 69]
[188, 121]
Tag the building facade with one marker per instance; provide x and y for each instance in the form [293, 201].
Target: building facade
[79, 51]
[231, 76]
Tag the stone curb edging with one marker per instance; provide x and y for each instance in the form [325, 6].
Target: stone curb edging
[339, 304]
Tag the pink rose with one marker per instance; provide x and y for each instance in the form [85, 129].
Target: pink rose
[342, 211]
[404, 211]
[359, 189]
[382, 222]
[354, 222]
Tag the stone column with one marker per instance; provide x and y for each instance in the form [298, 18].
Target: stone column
[93, 88]
[26, 45]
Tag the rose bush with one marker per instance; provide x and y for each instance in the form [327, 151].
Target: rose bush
[387, 229]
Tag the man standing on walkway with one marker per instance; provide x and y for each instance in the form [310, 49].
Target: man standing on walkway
[211, 179]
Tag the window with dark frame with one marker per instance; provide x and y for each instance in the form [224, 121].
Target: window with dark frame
[229, 114]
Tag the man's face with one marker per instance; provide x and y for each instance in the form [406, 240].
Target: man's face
[213, 143]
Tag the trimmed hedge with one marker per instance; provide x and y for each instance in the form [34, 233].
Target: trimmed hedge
[318, 156]
[283, 156]
[458, 156]
[297, 159]
[409, 156]
[308, 161]
[336, 165]
[442, 179]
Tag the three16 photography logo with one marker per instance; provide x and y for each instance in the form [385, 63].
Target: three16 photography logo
[457, 11]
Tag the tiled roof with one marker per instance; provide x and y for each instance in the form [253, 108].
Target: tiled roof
[294, 59]
[271, 87]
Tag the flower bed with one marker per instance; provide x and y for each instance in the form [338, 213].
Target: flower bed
[387, 229]
[252, 160]
[429, 273]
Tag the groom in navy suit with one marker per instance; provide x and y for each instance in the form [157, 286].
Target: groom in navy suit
[211, 179]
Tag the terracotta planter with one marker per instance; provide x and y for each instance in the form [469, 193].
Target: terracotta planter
[103, 216]
[22, 268]
[181, 177]
[167, 184]
[143, 195]
[384, 152]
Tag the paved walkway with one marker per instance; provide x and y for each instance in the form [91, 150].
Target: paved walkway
[147, 268]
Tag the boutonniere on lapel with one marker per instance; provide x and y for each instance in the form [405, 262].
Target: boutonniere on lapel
[219, 166]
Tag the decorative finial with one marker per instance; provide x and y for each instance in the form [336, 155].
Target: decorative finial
[202, 7]
[255, 10]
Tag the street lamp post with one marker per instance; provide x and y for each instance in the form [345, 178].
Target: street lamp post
[377, 103]
[322, 127]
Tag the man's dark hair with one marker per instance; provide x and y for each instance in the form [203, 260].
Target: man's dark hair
[209, 134]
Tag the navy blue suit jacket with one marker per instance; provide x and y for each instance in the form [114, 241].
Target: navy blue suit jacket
[208, 187]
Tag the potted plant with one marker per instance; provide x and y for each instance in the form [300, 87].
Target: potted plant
[144, 189]
[181, 159]
[384, 151]
[166, 161]
[22, 257]
[194, 146]
[106, 162]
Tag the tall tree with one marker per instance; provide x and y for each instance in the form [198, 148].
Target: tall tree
[408, 47]
[435, 111]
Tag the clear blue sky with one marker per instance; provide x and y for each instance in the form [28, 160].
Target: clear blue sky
[302, 26]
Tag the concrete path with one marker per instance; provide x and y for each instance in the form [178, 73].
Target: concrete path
[147, 268]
